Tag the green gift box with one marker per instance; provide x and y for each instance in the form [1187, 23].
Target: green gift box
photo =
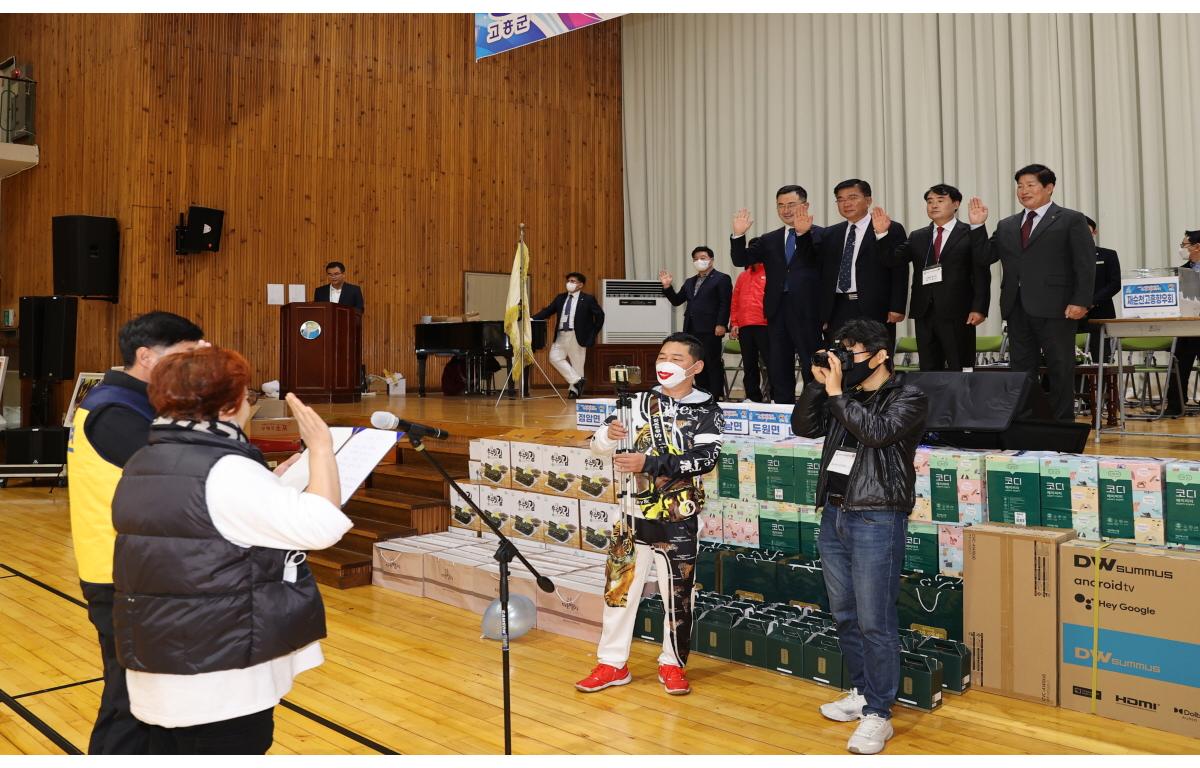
[774, 473]
[749, 575]
[802, 582]
[1183, 503]
[779, 527]
[931, 605]
[1013, 488]
[824, 662]
[650, 614]
[921, 547]
[748, 641]
[955, 658]
[810, 532]
[920, 681]
[714, 632]
[784, 647]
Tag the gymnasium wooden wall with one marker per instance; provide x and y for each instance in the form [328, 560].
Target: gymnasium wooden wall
[373, 140]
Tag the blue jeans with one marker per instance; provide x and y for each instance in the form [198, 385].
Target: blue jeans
[862, 554]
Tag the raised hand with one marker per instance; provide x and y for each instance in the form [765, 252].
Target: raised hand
[880, 220]
[742, 221]
[803, 220]
[665, 278]
[977, 212]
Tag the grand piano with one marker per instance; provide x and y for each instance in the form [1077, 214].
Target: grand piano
[476, 340]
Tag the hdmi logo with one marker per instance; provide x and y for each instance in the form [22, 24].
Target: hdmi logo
[1129, 701]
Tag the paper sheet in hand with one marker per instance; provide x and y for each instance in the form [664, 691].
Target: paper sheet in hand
[357, 453]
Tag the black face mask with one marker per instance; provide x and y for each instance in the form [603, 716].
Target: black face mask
[858, 373]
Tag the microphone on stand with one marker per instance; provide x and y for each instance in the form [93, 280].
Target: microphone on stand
[385, 420]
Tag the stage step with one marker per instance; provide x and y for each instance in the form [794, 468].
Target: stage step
[367, 533]
[340, 568]
[455, 462]
[399, 509]
[415, 479]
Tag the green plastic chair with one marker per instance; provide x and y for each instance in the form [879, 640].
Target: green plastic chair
[907, 346]
[1148, 368]
[732, 347]
[988, 348]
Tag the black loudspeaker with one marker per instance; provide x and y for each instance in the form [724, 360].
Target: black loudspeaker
[47, 330]
[201, 231]
[993, 409]
[86, 256]
[38, 445]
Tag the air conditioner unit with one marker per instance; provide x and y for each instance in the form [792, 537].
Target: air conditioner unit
[635, 312]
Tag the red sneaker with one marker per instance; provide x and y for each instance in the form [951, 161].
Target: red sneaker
[674, 680]
[604, 676]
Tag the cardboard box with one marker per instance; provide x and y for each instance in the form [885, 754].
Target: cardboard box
[272, 427]
[956, 480]
[1182, 511]
[1070, 486]
[810, 532]
[596, 521]
[1147, 656]
[461, 514]
[741, 523]
[525, 462]
[727, 471]
[499, 504]
[779, 527]
[1014, 487]
[922, 510]
[1130, 489]
[950, 550]
[824, 662]
[921, 547]
[575, 608]
[1010, 618]
[806, 465]
[399, 564]
[921, 679]
[955, 658]
[597, 479]
[774, 472]
[527, 522]
[562, 520]
[450, 576]
[748, 640]
[712, 520]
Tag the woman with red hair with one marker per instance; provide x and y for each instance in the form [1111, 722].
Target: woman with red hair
[215, 609]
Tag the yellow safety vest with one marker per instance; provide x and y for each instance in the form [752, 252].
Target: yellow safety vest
[93, 481]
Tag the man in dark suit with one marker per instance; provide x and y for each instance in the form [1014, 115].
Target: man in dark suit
[579, 321]
[708, 294]
[951, 284]
[1049, 273]
[338, 290]
[790, 297]
[1108, 284]
[854, 281]
[1186, 347]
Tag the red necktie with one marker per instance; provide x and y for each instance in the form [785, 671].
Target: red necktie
[1026, 228]
[937, 246]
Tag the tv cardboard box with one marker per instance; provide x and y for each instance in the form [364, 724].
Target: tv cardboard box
[1010, 614]
[1147, 652]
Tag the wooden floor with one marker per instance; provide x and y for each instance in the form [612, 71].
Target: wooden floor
[413, 676]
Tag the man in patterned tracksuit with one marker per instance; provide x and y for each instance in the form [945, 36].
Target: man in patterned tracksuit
[676, 433]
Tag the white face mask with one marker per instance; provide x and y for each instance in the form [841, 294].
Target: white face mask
[671, 375]
[572, 287]
[1185, 254]
[702, 264]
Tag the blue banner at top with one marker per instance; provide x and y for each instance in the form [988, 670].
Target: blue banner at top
[499, 32]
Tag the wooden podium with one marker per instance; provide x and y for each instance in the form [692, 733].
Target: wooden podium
[320, 352]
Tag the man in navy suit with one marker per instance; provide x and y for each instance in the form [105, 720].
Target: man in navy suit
[579, 321]
[708, 294]
[338, 290]
[1108, 285]
[854, 280]
[1187, 348]
[951, 280]
[1049, 275]
[790, 299]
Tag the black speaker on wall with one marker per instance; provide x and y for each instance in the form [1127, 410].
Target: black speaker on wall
[86, 257]
[47, 331]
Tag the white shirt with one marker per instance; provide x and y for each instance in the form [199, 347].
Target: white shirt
[861, 227]
[335, 294]
[249, 507]
[570, 315]
[1041, 214]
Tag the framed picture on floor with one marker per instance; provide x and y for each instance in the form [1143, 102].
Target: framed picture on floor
[83, 385]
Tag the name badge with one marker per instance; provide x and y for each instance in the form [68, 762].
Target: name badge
[931, 275]
[842, 461]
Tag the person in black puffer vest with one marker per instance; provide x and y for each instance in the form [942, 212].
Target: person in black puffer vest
[215, 610]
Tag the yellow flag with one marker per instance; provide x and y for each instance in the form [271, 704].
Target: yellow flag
[518, 294]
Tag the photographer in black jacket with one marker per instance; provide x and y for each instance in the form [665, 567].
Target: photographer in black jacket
[872, 424]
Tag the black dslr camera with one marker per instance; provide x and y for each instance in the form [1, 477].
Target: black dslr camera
[844, 356]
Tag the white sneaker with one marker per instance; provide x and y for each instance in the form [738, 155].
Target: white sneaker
[871, 735]
[846, 709]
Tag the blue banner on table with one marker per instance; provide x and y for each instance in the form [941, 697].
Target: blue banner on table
[499, 32]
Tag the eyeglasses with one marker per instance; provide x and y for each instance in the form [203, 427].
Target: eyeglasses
[788, 206]
[251, 397]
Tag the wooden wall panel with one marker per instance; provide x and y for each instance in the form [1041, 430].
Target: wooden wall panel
[371, 139]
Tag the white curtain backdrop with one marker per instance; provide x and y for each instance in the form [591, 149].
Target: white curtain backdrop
[721, 110]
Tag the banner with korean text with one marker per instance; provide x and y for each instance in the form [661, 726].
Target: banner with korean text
[499, 32]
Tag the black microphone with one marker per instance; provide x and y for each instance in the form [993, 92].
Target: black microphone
[385, 420]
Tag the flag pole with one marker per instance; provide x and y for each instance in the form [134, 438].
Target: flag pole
[522, 309]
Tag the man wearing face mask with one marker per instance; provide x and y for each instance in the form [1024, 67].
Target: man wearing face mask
[109, 426]
[872, 424]
[676, 439]
[1186, 347]
[708, 294]
[579, 321]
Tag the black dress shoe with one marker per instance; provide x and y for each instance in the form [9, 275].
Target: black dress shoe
[579, 385]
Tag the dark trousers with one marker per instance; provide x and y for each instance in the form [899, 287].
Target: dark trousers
[844, 309]
[1186, 350]
[945, 344]
[791, 333]
[753, 339]
[246, 735]
[116, 731]
[1031, 337]
[712, 378]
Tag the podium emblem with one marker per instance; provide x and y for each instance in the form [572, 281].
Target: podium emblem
[310, 329]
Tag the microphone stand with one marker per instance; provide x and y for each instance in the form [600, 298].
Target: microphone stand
[506, 552]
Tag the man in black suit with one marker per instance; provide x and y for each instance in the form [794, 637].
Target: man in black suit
[579, 321]
[1049, 273]
[1108, 284]
[790, 298]
[854, 281]
[338, 290]
[1186, 347]
[951, 284]
[707, 294]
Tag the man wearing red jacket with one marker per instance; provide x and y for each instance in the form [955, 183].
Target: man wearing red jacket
[748, 325]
